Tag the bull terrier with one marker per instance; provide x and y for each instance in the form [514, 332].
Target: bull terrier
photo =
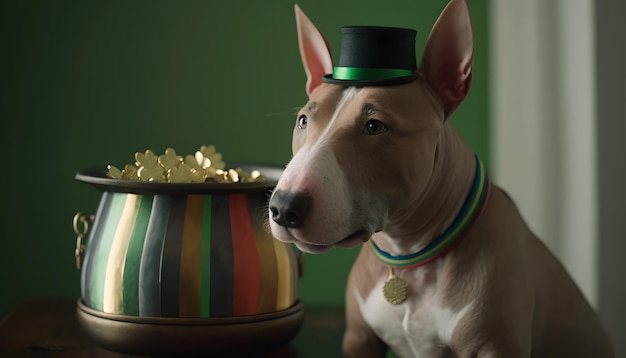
[447, 268]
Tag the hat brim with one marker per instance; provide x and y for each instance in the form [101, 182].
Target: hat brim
[376, 82]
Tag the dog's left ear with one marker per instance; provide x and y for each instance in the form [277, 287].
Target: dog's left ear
[314, 51]
[448, 56]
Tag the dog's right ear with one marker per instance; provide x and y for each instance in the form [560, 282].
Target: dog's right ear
[448, 56]
[314, 51]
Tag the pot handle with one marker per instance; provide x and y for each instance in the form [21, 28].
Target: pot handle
[81, 224]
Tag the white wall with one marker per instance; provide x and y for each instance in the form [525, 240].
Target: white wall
[543, 118]
[558, 138]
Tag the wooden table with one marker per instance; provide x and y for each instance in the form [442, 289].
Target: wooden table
[49, 328]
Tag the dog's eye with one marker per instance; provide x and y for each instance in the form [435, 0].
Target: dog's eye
[374, 127]
[302, 121]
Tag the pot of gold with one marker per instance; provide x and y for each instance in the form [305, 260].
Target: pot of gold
[178, 260]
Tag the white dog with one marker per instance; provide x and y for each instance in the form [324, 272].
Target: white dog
[449, 269]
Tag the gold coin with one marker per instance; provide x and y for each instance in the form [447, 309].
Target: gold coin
[148, 159]
[113, 172]
[130, 172]
[169, 160]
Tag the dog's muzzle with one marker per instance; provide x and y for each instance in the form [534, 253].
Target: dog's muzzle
[289, 209]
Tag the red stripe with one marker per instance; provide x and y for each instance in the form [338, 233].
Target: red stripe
[246, 258]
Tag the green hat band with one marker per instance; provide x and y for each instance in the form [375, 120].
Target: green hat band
[358, 74]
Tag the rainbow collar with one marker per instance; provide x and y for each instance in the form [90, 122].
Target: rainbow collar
[469, 214]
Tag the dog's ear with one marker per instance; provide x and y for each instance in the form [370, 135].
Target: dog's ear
[448, 56]
[314, 51]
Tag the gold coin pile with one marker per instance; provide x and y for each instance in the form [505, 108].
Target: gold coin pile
[206, 165]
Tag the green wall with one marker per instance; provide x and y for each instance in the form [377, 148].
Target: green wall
[91, 82]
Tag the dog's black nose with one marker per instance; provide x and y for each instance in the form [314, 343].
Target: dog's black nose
[289, 209]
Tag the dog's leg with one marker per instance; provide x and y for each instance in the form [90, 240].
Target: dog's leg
[359, 339]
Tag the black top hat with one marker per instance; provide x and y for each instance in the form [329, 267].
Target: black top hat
[375, 56]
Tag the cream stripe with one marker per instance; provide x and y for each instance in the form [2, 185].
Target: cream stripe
[113, 281]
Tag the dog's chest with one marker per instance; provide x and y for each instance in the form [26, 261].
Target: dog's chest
[421, 326]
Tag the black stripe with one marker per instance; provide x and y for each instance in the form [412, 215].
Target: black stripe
[170, 264]
[222, 270]
[150, 267]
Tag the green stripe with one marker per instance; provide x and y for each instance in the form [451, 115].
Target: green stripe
[94, 240]
[115, 213]
[356, 73]
[133, 257]
[205, 274]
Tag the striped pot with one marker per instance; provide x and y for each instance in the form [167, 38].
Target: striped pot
[185, 250]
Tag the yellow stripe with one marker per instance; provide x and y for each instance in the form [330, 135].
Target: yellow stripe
[114, 279]
[268, 269]
[191, 260]
[285, 297]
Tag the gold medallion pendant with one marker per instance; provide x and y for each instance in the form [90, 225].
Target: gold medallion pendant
[394, 289]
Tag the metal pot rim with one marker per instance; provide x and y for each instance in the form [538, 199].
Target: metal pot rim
[96, 176]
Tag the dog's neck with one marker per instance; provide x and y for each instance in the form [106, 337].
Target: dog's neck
[412, 227]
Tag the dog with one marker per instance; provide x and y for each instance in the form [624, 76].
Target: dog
[447, 267]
